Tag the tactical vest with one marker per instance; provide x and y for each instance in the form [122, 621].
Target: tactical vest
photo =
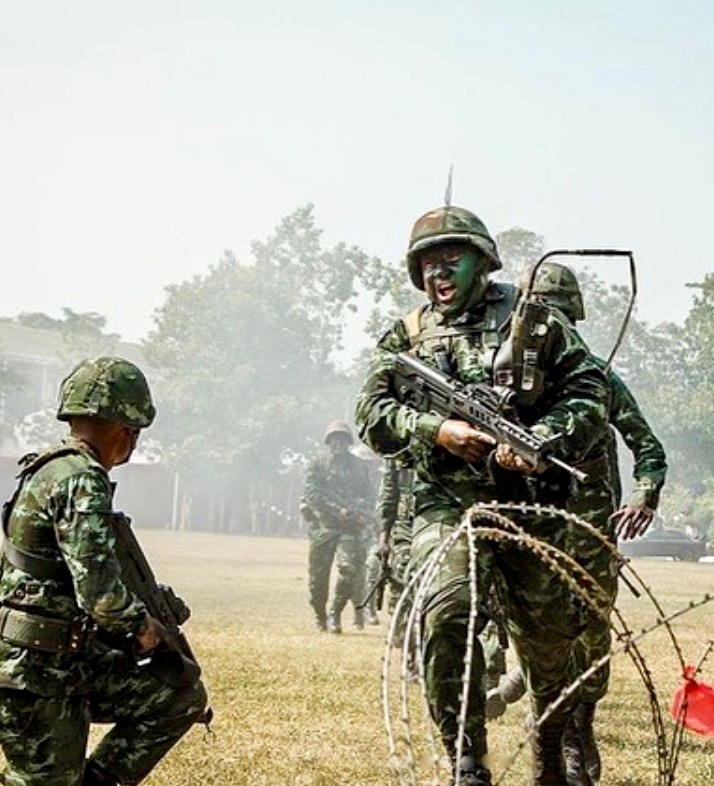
[513, 338]
[29, 629]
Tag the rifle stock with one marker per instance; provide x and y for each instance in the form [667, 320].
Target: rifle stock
[376, 591]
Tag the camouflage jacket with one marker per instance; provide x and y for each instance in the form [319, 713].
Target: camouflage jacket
[573, 402]
[62, 511]
[334, 483]
[650, 464]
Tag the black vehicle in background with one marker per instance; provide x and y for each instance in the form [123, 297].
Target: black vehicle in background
[662, 542]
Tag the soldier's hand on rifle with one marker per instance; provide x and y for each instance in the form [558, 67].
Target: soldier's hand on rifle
[507, 458]
[149, 636]
[632, 520]
[463, 440]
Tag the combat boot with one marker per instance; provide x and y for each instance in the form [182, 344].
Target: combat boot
[584, 716]
[576, 773]
[321, 622]
[548, 762]
[334, 623]
[94, 775]
[358, 622]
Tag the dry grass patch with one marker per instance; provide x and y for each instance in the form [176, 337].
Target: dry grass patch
[297, 708]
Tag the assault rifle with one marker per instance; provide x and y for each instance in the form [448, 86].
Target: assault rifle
[376, 591]
[174, 657]
[355, 513]
[488, 409]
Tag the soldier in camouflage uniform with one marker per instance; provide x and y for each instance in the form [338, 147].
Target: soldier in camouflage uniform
[373, 564]
[67, 622]
[395, 513]
[337, 499]
[598, 499]
[464, 331]
[395, 508]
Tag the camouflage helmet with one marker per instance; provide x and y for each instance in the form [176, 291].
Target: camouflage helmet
[449, 225]
[337, 427]
[558, 286]
[109, 388]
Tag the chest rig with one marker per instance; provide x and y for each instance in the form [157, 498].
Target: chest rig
[21, 627]
[504, 345]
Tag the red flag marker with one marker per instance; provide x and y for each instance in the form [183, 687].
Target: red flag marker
[693, 704]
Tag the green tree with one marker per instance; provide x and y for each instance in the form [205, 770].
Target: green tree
[686, 391]
[247, 353]
[519, 249]
[40, 430]
[38, 319]
[83, 334]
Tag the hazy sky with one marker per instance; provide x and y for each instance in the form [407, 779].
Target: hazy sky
[141, 139]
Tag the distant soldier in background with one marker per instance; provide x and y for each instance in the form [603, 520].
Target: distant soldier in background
[338, 503]
[598, 500]
[71, 631]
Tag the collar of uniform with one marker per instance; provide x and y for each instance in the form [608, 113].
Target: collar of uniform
[83, 445]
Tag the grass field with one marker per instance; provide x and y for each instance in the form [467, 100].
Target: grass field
[297, 708]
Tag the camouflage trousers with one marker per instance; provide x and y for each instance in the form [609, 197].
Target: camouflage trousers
[542, 619]
[594, 503]
[44, 739]
[400, 546]
[349, 550]
[494, 654]
[373, 566]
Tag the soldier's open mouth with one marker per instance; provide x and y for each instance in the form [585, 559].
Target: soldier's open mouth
[445, 292]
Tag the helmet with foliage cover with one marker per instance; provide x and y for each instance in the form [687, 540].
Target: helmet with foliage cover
[449, 224]
[109, 388]
[557, 286]
[337, 427]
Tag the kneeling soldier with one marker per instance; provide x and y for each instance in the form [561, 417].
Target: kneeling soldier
[76, 642]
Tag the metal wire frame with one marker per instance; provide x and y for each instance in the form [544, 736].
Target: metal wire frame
[576, 578]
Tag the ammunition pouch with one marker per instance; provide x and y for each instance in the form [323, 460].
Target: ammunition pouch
[518, 362]
[47, 634]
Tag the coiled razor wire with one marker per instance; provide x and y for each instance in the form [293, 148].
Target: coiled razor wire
[503, 529]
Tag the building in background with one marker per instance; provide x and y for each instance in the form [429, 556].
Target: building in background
[33, 362]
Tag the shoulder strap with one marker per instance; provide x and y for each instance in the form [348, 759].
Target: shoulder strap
[40, 567]
[412, 322]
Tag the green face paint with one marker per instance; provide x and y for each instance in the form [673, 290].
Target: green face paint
[455, 277]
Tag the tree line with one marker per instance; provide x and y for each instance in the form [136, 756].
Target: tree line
[249, 363]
